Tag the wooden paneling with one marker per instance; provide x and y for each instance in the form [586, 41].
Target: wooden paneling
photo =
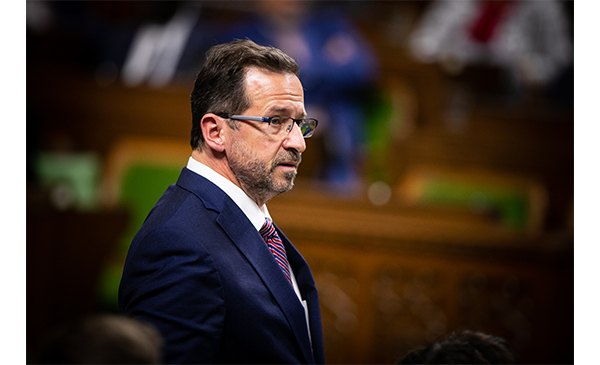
[391, 279]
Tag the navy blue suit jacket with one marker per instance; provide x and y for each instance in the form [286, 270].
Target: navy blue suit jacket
[200, 272]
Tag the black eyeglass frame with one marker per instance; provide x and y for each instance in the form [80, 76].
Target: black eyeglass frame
[299, 122]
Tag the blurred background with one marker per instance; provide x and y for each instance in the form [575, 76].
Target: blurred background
[436, 195]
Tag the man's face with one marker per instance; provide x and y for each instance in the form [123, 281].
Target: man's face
[265, 164]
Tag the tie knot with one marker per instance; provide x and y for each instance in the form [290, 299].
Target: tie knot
[267, 229]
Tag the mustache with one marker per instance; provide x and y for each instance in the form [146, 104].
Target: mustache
[288, 156]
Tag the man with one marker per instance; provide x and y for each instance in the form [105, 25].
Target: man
[199, 268]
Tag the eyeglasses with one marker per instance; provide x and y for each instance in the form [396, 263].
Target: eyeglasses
[279, 124]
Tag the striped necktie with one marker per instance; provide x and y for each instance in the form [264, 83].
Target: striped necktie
[276, 246]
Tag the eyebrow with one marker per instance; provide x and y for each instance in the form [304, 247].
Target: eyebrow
[284, 111]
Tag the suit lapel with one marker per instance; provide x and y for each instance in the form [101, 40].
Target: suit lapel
[309, 293]
[250, 243]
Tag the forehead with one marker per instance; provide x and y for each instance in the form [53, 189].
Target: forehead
[271, 92]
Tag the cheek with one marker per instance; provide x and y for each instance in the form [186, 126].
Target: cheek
[262, 148]
[247, 152]
[267, 150]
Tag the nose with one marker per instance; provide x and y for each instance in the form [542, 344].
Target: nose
[294, 139]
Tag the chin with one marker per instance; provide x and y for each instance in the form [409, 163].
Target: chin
[286, 185]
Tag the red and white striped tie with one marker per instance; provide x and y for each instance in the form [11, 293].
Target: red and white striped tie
[276, 246]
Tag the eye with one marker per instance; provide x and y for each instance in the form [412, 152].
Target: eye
[277, 121]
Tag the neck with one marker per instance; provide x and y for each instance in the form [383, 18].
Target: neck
[217, 162]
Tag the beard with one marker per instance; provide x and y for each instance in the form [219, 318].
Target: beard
[258, 178]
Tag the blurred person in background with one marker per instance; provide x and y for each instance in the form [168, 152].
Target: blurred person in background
[466, 347]
[338, 69]
[208, 267]
[102, 339]
[529, 40]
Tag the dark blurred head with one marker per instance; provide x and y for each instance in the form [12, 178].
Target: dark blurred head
[102, 339]
[463, 348]
[220, 87]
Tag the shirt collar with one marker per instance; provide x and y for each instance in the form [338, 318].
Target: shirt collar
[255, 214]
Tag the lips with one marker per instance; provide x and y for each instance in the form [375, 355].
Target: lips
[288, 164]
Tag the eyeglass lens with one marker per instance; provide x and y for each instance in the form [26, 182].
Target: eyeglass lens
[307, 126]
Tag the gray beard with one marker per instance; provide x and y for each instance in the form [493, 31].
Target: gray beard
[257, 179]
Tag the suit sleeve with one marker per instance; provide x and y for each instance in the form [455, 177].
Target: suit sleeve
[170, 281]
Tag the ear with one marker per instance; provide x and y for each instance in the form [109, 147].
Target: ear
[212, 129]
